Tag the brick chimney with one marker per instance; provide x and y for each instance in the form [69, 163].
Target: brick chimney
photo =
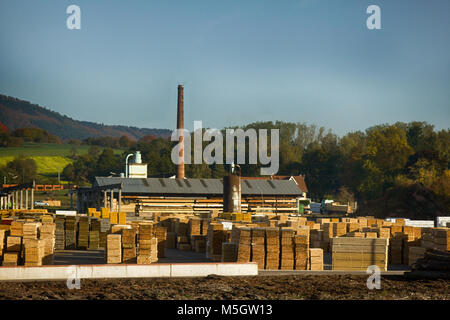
[180, 125]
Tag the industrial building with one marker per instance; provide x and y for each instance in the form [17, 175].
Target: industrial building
[133, 192]
[186, 195]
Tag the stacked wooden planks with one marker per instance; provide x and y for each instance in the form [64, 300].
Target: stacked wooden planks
[129, 246]
[47, 236]
[287, 249]
[415, 253]
[441, 239]
[83, 233]
[17, 228]
[147, 244]
[113, 248]
[94, 234]
[59, 233]
[258, 247]
[215, 238]
[70, 232]
[358, 254]
[272, 248]
[315, 259]
[301, 252]
[244, 242]
[105, 227]
[161, 235]
[13, 249]
[229, 252]
[34, 252]
[171, 241]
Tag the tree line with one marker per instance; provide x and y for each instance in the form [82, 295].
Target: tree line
[360, 165]
[19, 136]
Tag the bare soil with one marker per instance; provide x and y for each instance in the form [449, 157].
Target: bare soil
[216, 287]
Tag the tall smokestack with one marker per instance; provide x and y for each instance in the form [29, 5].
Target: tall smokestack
[180, 125]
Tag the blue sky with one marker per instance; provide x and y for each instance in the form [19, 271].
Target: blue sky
[310, 61]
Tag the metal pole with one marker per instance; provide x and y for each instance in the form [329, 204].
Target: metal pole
[32, 198]
[111, 200]
[120, 199]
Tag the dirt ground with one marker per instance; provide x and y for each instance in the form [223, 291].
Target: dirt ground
[216, 288]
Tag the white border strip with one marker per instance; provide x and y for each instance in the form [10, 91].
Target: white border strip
[127, 271]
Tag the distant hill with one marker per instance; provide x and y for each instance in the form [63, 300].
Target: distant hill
[16, 113]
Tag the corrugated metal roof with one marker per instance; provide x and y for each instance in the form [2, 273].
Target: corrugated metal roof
[199, 186]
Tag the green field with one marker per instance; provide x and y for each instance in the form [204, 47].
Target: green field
[50, 158]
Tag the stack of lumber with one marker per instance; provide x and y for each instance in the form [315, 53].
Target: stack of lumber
[94, 235]
[148, 244]
[396, 247]
[71, 232]
[317, 239]
[358, 254]
[59, 233]
[182, 227]
[34, 252]
[272, 248]
[353, 227]
[214, 241]
[315, 259]
[117, 228]
[31, 230]
[415, 253]
[2, 240]
[105, 227]
[384, 233]
[114, 217]
[258, 246]
[113, 248]
[161, 235]
[10, 259]
[199, 243]
[356, 234]
[17, 228]
[128, 245]
[105, 214]
[434, 260]
[83, 233]
[370, 235]
[244, 242]
[410, 239]
[122, 217]
[217, 238]
[229, 252]
[13, 244]
[287, 249]
[195, 227]
[204, 229]
[171, 241]
[47, 219]
[301, 252]
[183, 243]
[48, 239]
[441, 239]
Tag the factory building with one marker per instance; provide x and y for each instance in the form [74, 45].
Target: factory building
[134, 192]
[149, 195]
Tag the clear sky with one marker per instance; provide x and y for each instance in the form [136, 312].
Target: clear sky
[310, 61]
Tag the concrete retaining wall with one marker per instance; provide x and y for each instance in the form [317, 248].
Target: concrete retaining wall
[127, 271]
